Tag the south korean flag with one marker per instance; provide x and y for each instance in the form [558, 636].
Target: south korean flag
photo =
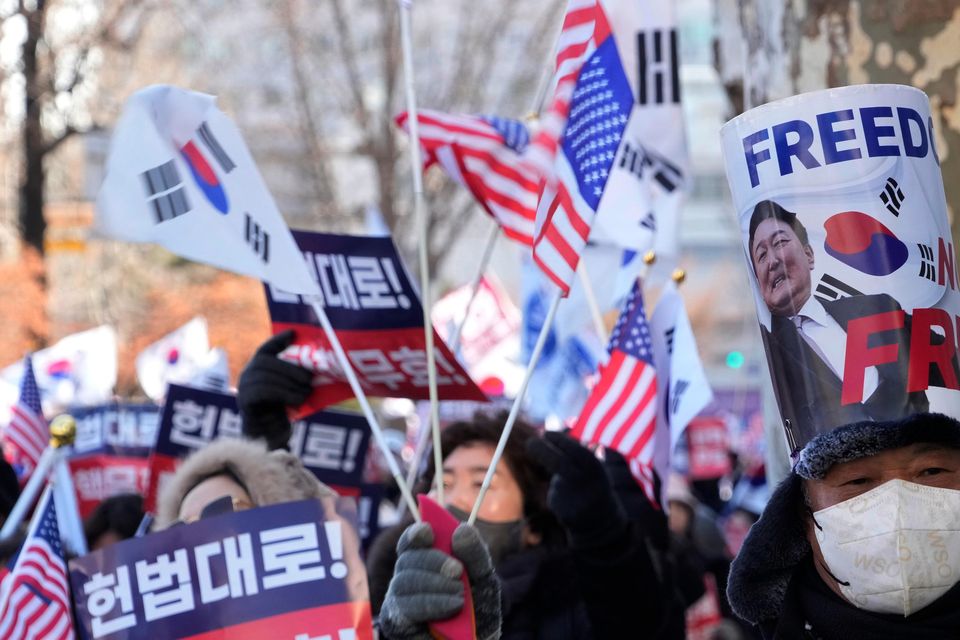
[179, 174]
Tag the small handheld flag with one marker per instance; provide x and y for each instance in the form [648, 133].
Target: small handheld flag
[26, 436]
[35, 601]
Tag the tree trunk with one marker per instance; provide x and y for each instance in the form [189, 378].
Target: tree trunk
[32, 223]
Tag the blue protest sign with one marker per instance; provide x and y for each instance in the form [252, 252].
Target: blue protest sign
[280, 571]
[331, 444]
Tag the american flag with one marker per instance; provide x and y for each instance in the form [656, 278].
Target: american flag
[35, 601]
[644, 475]
[621, 411]
[599, 109]
[26, 436]
[484, 154]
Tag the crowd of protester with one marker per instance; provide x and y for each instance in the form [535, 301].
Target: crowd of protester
[566, 543]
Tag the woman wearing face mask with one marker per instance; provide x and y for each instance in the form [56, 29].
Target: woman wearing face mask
[569, 564]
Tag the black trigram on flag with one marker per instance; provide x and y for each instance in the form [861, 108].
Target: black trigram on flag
[257, 238]
[892, 196]
[678, 388]
[637, 159]
[165, 191]
[649, 222]
[829, 289]
[658, 67]
[927, 269]
[668, 338]
[208, 139]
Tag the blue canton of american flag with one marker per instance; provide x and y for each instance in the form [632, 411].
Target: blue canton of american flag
[601, 106]
[27, 434]
[515, 134]
[621, 412]
[35, 596]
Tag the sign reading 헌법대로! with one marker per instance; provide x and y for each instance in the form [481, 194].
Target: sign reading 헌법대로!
[376, 314]
[290, 571]
[844, 224]
[111, 451]
[331, 444]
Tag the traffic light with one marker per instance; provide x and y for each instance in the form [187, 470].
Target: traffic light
[735, 359]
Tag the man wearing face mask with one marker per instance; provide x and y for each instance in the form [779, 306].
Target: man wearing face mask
[862, 540]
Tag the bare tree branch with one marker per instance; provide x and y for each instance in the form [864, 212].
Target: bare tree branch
[316, 149]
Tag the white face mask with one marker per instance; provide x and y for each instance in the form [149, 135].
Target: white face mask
[894, 549]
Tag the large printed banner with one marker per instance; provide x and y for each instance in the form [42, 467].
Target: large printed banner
[287, 572]
[331, 444]
[111, 451]
[845, 230]
[377, 316]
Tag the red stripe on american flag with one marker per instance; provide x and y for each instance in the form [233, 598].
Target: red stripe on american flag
[498, 181]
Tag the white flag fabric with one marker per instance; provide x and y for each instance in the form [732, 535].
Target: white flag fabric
[641, 203]
[79, 370]
[213, 373]
[179, 174]
[175, 358]
[683, 389]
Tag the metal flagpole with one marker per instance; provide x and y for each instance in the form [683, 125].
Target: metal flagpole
[454, 343]
[420, 208]
[63, 433]
[423, 437]
[515, 409]
[591, 297]
[30, 492]
[361, 396]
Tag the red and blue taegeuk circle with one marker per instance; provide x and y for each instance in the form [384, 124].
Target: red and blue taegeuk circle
[864, 243]
[205, 177]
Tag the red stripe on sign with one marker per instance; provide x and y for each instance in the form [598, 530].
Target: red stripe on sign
[335, 621]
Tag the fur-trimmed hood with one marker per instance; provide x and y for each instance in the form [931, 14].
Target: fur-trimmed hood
[270, 477]
[771, 553]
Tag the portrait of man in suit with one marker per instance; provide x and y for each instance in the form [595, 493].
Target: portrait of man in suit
[806, 341]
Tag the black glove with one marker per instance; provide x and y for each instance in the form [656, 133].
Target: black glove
[426, 585]
[580, 493]
[652, 521]
[267, 386]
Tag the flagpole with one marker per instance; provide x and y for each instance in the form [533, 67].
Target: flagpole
[454, 342]
[591, 297]
[420, 209]
[423, 437]
[361, 396]
[29, 495]
[517, 402]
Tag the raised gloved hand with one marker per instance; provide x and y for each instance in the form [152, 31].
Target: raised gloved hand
[580, 493]
[267, 386]
[426, 585]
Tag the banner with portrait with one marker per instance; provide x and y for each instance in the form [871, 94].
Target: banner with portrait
[841, 208]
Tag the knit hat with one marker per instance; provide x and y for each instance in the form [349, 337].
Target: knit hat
[862, 439]
[269, 477]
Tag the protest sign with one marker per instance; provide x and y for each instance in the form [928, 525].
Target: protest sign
[708, 441]
[844, 224]
[111, 451]
[377, 316]
[331, 444]
[289, 571]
